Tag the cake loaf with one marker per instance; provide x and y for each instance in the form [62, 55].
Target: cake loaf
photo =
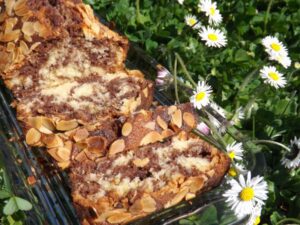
[132, 184]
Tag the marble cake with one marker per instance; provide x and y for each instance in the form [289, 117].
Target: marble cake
[61, 63]
[129, 185]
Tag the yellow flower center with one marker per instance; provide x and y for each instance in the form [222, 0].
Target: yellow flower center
[247, 194]
[212, 37]
[231, 155]
[257, 221]
[200, 96]
[212, 11]
[276, 47]
[273, 76]
[232, 172]
[192, 21]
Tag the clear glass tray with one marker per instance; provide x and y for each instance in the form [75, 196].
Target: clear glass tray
[50, 195]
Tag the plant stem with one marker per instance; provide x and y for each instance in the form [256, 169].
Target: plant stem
[267, 15]
[253, 126]
[285, 108]
[288, 220]
[186, 72]
[257, 91]
[175, 81]
[271, 142]
[244, 84]
[137, 4]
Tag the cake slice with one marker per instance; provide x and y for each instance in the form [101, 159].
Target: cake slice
[26, 24]
[60, 61]
[132, 184]
[108, 136]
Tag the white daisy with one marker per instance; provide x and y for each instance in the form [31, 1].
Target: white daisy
[255, 216]
[236, 169]
[245, 194]
[180, 1]
[276, 50]
[201, 95]
[235, 151]
[210, 9]
[284, 60]
[273, 45]
[213, 37]
[272, 76]
[203, 128]
[292, 159]
[192, 21]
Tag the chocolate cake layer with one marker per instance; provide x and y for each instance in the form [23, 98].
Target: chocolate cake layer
[126, 186]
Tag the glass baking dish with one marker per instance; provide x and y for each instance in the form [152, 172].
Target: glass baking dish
[50, 195]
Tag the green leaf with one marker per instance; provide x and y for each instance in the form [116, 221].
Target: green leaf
[23, 204]
[4, 194]
[209, 216]
[11, 207]
[275, 217]
[241, 56]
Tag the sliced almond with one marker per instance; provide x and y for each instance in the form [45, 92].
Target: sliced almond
[151, 137]
[53, 153]
[68, 145]
[64, 153]
[167, 133]
[27, 38]
[126, 129]
[172, 109]
[33, 136]
[40, 29]
[177, 118]
[23, 48]
[141, 162]
[190, 196]
[189, 119]
[10, 36]
[178, 197]
[161, 123]
[119, 218]
[80, 134]
[65, 125]
[21, 8]
[146, 92]
[150, 125]
[81, 156]
[9, 5]
[43, 124]
[116, 147]
[136, 207]
[10, 47]
[64, 165]
[52, 141]
[148, 204]
[28, 28]
[9, 24]
[182, 136]
[96, 144]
